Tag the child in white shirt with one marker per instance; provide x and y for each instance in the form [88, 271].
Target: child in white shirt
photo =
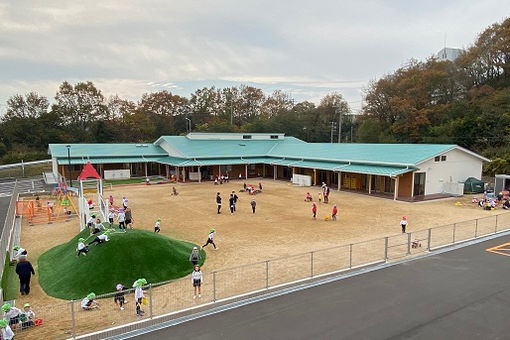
[7, 333]
[157, 225]
[82, 248]
[196, 280]
[403, 224]
[121, 218]
[139, 295]
[88, 302]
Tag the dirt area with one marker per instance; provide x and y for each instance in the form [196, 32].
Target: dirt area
[282, 226]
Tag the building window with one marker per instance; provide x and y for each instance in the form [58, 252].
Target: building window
[246, 136]
[437, 159]
[443, 158]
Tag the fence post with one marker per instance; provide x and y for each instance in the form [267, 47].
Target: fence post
[72, 319]
[311, 264]
[476, 228]
[350, 256]
[429, 239]
[409, 244]
[150, 299]
[386, 249]
[454, 227]
[267, 274]
[214, 285]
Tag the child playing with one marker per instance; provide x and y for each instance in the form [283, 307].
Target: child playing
[210, 239]
[90, 223]
[320, 196]
[110, 199]
[308, 197]
[11, 314]
[88, 302]
[7, 333]
[157, 225]
[139, 295]
[82, 248]
[253, 205]
[194, 257]
[196, 280]
[124, 202]
[27, 317]
[98, 227]
[314, 210]
[101, 238]
[111, 216]
[334, 212]
[91, 204]
[119, 298]
[174, 191]
[403, 224]
[121, 219]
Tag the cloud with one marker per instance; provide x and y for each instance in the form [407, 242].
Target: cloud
[309, 48]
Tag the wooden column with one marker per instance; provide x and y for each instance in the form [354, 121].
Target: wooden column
[275, 172]
[167, 170]
[412, 186]
[199, 175]
[183, 174]
[314, 177]
[395, 194]
[177, 173]
[145, 169]
[369, 184]
[293, 172]
[219, 170]
[339, 180]
[246, 171]
[263, 170]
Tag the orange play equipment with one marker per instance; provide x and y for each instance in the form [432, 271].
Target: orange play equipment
[61, 209]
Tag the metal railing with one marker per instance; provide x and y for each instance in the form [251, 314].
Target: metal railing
[8, 232]
[165, 299]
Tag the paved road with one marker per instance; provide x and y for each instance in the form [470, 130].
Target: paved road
[463, 294]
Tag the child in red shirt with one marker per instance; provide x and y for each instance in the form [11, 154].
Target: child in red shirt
[314, 210]
[333, 214]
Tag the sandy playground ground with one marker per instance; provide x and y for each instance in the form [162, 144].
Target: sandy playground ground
[282, 226]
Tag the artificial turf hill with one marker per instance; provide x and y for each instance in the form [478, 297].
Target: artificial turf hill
[125, 258]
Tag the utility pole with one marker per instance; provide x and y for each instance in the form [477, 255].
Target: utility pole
[339, 125]
[332, 128]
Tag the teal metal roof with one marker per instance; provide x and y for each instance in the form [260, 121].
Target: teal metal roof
[105, 160]
[382, 154]
[106, 150]
[219, 148]
[374, 169]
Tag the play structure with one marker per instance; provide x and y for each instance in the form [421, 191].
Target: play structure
[90, 182]
[57, 207]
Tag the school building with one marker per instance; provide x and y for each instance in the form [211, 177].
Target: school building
[398, 171]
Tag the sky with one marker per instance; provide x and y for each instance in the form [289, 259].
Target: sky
[305, 48]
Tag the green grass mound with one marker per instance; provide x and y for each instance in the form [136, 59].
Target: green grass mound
[125, 258]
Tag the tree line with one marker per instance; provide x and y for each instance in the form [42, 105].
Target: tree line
[465, 102]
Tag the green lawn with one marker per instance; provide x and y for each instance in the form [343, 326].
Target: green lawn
[125, 258]
[124, 181]
[10, 281]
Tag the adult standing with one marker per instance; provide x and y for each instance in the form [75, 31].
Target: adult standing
[253, 204]
[218, 202]
[231, 203]
[235, 199]
[24, 270]
[129, 218]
